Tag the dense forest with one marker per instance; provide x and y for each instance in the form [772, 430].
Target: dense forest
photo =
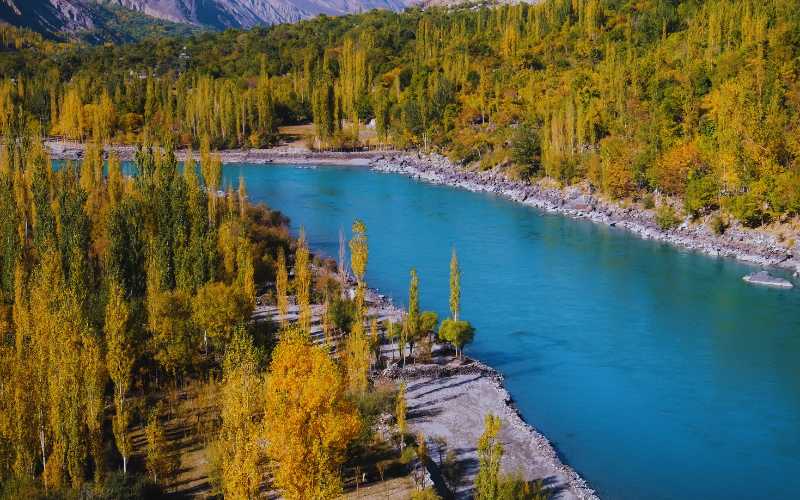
[126, 302]
[693, 99]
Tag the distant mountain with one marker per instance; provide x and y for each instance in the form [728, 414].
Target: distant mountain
[51, 17]
[221, 14]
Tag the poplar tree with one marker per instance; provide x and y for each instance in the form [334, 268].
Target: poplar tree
[302, 284]
[239, 435]
[490, 453]
[455, 287]
[282, 287]
[400, 415]
[410, 329]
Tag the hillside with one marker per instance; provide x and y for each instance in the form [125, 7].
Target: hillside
[698, 102]
[87, 21]
[123, 20]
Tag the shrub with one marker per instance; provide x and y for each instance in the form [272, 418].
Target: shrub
[666, 218]
[702, 193]
[718, 225]
[526, 147]
[426, 494]
[648, 202]
[747, 209]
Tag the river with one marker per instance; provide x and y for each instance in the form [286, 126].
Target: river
[656, 372]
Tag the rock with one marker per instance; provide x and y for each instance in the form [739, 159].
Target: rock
[766, 279]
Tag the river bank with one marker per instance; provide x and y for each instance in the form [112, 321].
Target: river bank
[748, 245]
[754, 246]
[447, 402]
[60, 150]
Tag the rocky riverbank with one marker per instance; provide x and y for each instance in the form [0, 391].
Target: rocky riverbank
[60, 150]
[447, 402]
[449, 399]
[749, 245]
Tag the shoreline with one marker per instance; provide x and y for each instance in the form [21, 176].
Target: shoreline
[747, 245]
[528, 451]
[752, 246]
[61, 150]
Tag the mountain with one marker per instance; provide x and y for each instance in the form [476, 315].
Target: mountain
[221, 14]
[49, 16]
[52, 17]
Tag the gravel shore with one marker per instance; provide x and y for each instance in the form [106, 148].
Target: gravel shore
[60, 150]
[448, 399]
[753, 246]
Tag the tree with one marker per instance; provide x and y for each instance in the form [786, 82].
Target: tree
[308, 421]
[428, 322]
[302, 284]
[392, 333]
[411, 324]
[458, 333]
[282, 287]
[170, 321]
[120, 358]
[159, 461]
[375, 340]
[241, 399]
[455, 286]
[490, 453]
[400, 415]
[359, 250]
[526, 148]
[359, 253]
[217, 310]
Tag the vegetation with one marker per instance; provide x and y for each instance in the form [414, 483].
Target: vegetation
[111, 283]
[690, 99]
[491, 483]
[120, 293]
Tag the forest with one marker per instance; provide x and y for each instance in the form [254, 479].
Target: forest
[130, 346]
[696, 100]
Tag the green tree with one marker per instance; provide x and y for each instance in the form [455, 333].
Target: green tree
[455, 286]
[458, 333]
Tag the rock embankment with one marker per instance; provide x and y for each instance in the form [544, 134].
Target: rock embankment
[737, 242]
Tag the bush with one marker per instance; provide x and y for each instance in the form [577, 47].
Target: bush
[525, 147]
[702, 193]
[648, 202]
[666, 218]
[718, 225]
[426, 494]
[747, 209]
[130, 486]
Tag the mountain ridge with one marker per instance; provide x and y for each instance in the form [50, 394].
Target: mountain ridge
[53, 17]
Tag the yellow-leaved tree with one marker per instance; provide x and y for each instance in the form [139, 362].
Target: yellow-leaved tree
[240, 453]
[217, 309]
[120, 358]
[302, 284]
[308, 421]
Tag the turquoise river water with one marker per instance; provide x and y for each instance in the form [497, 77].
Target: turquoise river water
[656, 373]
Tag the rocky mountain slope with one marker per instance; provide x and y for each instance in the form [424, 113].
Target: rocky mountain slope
[75, 16]
[49, 16]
